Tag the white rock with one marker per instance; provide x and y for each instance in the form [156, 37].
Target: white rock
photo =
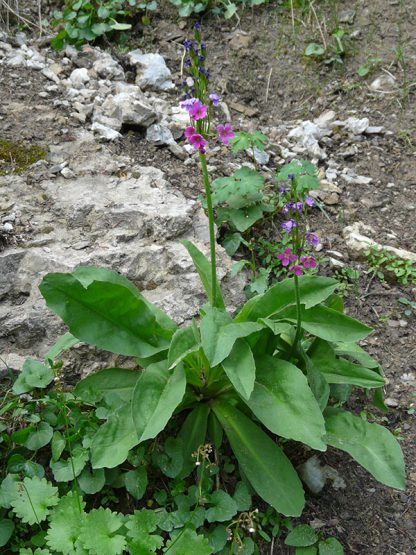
[105, 132]
[152, 71]
[79, 77]
[383, 83]
[49, 74]
[352, 178]
[8, 226]
[159, 134]
[357, 126]
[108, 68]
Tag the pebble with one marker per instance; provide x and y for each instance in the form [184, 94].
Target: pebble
[8, 226]
[390, 402]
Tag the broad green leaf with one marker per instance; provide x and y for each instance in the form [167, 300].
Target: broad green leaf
[157, 394]
[340, 371]
[106, 315]
[314, 49]
[192, 435]
[242, 497]
[313, 290]
[187, 542]
[327, 323]
[222, 507]
[231, 243]
[213, 320]
[318, 384]
[64, 343]
[117, 26]
[330, 546]
[34, 374]
[40, 436]
[241, 190]
[57, 445]
[140, 526]
[113, 440]
[301, 536]
[241, 218]
[99, 530]
[217, 537]
[311, 550]
[283, 401]
[136, 482]
[6, 531]
[240, 368]
[32, 499]
[371, 445]
[64, 524]
[65, 471]
[354, 351]
[215, 431]
[203, 267]
[110, 381]
[8, 490]
[304, 172]
[263, 462]
[278, 328]
[184, 341]
[91, 482]
[170, 459]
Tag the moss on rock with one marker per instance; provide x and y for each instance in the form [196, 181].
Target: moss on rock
[17, 157]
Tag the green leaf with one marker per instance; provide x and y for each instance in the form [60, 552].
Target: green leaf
[63, 344]
[313, 290]
[105, 314]
[314, 49]
[312, 550]
[263, 462]
[170, 459]
[57, 445]
[98, 532]
[301, 536]
[113, 440]
[203, 267]
[34, 374]
[39, 437]
[242, 497]
[241, 190]
[192, 435]
[241, 368]
[241, 218]
[117, 26]
[136, 482]
[65, 522]
[284, 403]
[91, 482]
[32, 499]
[103, 12]
[6, 531]
[223, 507]
[157, 394]
[184, 342]
[215, 431]
[371, 445]
[330, 546]
[8, 490]
[65, 471]
[107, 382]
[217, 538]
[100, 28]
[327, 323]
[140, 526]
[231, 243]
[188, 542]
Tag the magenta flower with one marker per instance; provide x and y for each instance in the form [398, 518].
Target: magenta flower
[296, 269]
[198, 142]
[308, 261]
[189, 131]
[198, 110]
[225, 133]
[289, 225]
[187, 104]
[286, 257]
[215, 99]
[312, 239]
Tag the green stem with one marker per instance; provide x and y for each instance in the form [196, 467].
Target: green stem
[211, 228]
[298, 317]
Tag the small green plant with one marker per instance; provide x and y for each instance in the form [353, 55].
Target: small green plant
[332, 53]
[369, 66]
[411, 304]
[348, 280]
[307, 541]
[384, 264]
[85, 20]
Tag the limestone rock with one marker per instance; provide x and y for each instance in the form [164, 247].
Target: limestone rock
[152, 71]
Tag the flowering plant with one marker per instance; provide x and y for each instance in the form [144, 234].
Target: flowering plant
[273, 370]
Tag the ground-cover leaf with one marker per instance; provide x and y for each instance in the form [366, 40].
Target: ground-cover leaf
[136, 482]
[240, 368]
[57, 445]
[313, 290]
[106, 315]
[203, 267]
[184, 341]
[188, 542]
[39, 436]
[67, 470]
[240, 190]
[140, 526]
[32, 499]
[98, 532]
[330, 546]
[6, 530]
[170, 459]
[217, 538]
[65, 522]
[283, 401]
[371, 445]
[222, 507]
[119, 381]
[192, 435]
[157, 394]
[91, 482]
[327, 323]
[301, 536]
[242, 497]
[34, 374]
[113, 440]
[263, 462]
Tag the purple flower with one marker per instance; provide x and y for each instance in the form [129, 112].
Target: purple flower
[296, 269]
[197, 26]
[188, 44]
[289, 225]
[299, 206]
[188, 62]
[198, 142]
[308, 261]
[215, 99]
[187, 104]
[291, 176]
[198, 110]
[309, 201]
[312, 239]
[286, 257]
[225, 133]
[201, 58]
[283, 190]
[189, 132]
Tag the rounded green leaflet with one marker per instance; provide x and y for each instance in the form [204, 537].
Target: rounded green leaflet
[301, 536]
